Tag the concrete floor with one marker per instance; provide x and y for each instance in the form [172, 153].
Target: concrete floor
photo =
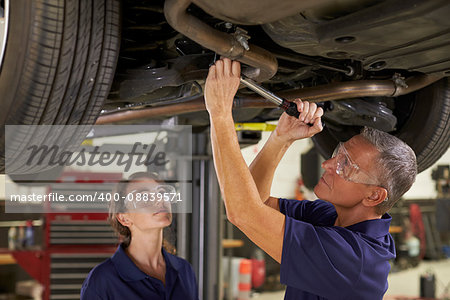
[402, 283]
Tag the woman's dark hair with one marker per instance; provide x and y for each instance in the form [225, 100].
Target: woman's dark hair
[116, 207]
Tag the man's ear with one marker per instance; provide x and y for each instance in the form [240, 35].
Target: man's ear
[123, 219]
[376, 196]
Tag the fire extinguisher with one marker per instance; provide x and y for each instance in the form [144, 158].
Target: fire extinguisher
[258, 268]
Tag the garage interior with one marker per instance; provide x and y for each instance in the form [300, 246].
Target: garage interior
[64, 246]
[138, 63]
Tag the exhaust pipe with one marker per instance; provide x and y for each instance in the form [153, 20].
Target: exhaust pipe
[334, 91]
[220, 42]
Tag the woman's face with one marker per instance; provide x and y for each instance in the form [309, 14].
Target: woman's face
[146, 208]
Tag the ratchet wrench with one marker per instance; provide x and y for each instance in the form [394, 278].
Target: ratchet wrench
[289, 107]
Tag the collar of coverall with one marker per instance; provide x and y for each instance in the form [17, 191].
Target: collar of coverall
[129, 271]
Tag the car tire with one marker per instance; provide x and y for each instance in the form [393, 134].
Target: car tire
[423, 118]
[58, 66]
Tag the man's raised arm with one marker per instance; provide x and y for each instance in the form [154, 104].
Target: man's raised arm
[289, 129]
[243, 204]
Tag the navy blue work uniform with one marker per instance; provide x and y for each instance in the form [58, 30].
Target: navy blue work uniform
[119, 278]
[323, 261]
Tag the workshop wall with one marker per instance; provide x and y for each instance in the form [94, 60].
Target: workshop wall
[425, 187]
[288, 171]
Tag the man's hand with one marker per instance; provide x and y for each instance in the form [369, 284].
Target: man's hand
[221, 86]
[290, 129]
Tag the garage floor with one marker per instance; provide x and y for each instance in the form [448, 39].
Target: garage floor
[403, 283]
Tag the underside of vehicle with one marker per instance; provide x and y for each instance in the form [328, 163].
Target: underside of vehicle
[383, 64]
[362, 53]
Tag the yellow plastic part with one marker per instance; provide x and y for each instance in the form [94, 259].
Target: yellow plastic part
[255, 126]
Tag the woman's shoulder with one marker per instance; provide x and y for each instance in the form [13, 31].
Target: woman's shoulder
[186, 273]
[101, 273]
[97, 280]
[180, 264]
[105, 266]
[177, 261]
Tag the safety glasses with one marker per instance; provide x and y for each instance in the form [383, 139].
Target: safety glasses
[156, 196]
[348, 169]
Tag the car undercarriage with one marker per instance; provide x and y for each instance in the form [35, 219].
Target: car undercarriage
[383, 64]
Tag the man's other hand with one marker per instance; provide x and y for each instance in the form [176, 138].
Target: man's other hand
[221, 86]
[308, 123]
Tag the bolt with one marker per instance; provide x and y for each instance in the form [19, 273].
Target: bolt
[243, 41]
[241, 36]
[350, 72]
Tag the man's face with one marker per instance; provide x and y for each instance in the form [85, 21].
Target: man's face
[333, 188]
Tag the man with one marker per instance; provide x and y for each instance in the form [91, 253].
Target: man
[334, 248]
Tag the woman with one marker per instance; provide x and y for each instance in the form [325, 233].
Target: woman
[141, 268]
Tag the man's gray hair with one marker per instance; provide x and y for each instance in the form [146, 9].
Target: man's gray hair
[397, 166]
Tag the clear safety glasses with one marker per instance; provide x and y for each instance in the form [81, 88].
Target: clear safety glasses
[348, 169]
[156, 196]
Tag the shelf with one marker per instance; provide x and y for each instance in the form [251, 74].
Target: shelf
[35, 223]
[227, 243]
[395, 229]
[7, 259]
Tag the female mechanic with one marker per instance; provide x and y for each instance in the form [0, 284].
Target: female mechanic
[141, 268]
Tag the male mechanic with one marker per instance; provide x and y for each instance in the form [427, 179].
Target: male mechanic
[337, 247]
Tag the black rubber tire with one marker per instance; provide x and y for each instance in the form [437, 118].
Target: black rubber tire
[426, 127]
[38, 179]
[59, 65]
